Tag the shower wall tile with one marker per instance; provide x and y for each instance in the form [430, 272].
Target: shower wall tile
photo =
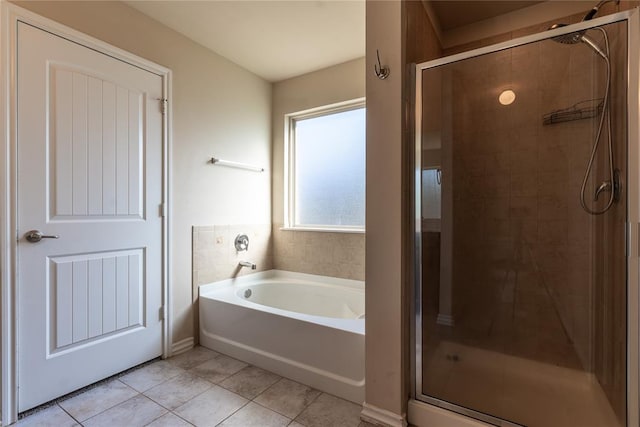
[215, 257]
[327, 254]
[516, 210]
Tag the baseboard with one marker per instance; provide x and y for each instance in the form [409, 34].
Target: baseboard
[182, 346]
[382, 417]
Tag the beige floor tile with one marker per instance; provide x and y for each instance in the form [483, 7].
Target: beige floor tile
[49, 417]
[295, 424]
[250, 381]
[151, 375]
[169, 420]
[192, 358]
[218, 368]
[254, 415]
[97, 399]
[178, 390]
[137, 411]
[211, 407]
[330, 411]
[287, 397]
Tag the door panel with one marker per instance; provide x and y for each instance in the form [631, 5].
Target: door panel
[94, 295]
[89, 172]
[97, 146]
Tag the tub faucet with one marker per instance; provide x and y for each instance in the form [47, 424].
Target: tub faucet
[247, 264]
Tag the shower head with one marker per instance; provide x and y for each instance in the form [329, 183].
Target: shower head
[596, 8]
[577, 37]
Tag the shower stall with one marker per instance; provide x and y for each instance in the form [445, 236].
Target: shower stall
[526, 228]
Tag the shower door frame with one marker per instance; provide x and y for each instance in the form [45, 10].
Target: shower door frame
[632, 17]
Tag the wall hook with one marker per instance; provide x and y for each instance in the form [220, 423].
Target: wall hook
[381, 71]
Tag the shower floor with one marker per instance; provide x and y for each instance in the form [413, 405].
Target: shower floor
[521, 390]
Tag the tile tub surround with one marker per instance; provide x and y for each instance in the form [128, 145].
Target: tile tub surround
[322, 253]
[215, 257]
[240, 395]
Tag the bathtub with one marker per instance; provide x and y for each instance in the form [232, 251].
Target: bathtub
[304, 327]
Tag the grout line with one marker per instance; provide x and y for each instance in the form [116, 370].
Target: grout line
[171, 411]
[117, 404]
[65, 411]
[158, 417]
[272, 410]
[310, 403]
[186, 421]
[184, 403]
[234, 412]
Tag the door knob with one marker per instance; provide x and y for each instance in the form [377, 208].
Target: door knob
[34, 236]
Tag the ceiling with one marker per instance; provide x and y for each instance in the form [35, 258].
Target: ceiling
[274, 39]
[280, 39]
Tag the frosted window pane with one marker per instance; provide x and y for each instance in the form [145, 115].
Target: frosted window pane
[330, 170]
[431, 194]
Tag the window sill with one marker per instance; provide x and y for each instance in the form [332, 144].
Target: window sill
[324, 230]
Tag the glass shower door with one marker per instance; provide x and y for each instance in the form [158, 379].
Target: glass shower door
[523, 291]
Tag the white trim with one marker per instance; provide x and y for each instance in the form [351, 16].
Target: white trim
[423, 414]
[378, 416]
[289, 163]
[182, 346]
[167, 226]
[10, 14]
[325, 230]
[7, 224]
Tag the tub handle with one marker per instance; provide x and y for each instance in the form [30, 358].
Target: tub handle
[242, 242]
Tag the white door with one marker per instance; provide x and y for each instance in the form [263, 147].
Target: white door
[90, 172]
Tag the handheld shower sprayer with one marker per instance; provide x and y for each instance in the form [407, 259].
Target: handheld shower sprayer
[613, 184]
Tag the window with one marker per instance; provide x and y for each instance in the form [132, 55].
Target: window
[326, 168]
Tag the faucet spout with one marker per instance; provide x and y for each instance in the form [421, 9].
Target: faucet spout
[247, 264]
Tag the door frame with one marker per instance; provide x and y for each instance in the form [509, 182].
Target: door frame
[10, 15]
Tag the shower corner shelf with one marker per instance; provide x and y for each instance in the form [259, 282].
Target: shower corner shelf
[578, 111]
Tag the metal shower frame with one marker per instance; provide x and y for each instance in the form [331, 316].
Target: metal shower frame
[632, 17]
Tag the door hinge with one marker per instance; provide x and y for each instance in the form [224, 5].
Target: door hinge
[163, 105]
[161, 313]
[163, 210]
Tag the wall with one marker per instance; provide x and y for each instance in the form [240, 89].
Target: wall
[329, 254]
[219, 109]
[492, 31]
[386, 343]
[216, 258]
[517, 217]
[403, 34]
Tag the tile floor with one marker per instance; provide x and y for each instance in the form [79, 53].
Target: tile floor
[199, 388]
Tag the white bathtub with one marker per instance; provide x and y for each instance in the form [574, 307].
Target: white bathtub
[304, 327]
